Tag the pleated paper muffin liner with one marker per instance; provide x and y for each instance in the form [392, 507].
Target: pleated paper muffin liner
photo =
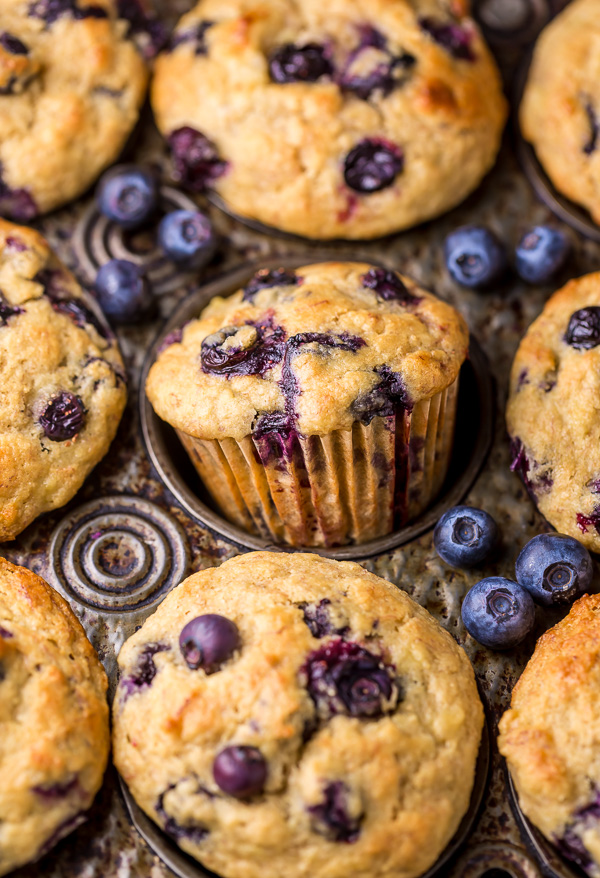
[349, 486]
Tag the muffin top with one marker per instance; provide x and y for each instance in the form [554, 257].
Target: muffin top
[314, 349]
[338, 119]
[54, 736]
[71, 85]
[63, 388]
[285, 714]
[563, 94]
[552, 413]
[550, 735]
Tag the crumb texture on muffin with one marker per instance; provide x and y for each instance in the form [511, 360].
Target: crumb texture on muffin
[359, 716]
[63, 381]
[71, 86]
[330, 119]
[54, 736]
[550, 735]
[320, 348]
[562, 94]
[552, 413]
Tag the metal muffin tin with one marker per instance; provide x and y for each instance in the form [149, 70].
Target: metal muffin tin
[130, 534]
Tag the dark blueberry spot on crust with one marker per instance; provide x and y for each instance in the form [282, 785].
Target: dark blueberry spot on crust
[385, 399]
[387, 74]
[194, 833]
[594, 486]
[585, 522]
[331, 817]
[583, 331]
[592, 143]
[388, 286]
[16, 244]
[571, 844]
[208, 641]
[345, 678]
[240, 771]
[7, 311]
[174, 337]
[195, 157]
[290, 63]
[266, 278]
[373, 165]
[63, 418]
[252, 356]
[454, 38]
[18, 204]
[145, 670]
[141, 23]
[318, 620]
[7, 635]
[57, 791]
[195, 35]
[535, 482]
[79, 314]
[13, 44]
[51, 10]
[522, 379]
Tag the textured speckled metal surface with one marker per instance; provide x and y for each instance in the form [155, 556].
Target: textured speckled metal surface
[125, 526]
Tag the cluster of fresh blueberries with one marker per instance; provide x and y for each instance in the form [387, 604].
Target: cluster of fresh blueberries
[552, 570]
[128, 195]
[477, 258]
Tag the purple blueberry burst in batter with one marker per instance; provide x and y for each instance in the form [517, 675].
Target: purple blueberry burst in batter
[388, 286]
[142, 23]
[243, 350]
[332, 818]
[345, 678]
[7, 635]
[594, 122]
[372, 165]
[318, 619]
[7, 311]
[57, 791]
[308, 63]
[270, 277]
[195, 158]
[51, 10]
[63, 418]
[535, 482]
[571, 844]
[144, 671]
[13, 44]
[585, 522]
[195, 35]
[452, 37]
[384, 400]
[192, 832]
[388, 72]
[17, 204]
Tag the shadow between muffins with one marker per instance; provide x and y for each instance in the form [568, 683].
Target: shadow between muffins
[474, 433]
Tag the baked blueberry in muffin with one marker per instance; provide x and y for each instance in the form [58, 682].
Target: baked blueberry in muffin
[53, 718]
[266, 746]
[71, 85]
[63, 388]
[328, 121]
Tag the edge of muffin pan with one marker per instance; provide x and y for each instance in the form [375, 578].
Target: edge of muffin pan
[475, 430]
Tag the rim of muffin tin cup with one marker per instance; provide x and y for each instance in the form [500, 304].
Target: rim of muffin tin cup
[185, 866]
[562, 207]
[553, 863]
[160, 438]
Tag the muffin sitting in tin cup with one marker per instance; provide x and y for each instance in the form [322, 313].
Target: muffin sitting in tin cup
[317, 405]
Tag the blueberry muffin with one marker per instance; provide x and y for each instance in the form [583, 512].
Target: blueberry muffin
[54, 736]
[318, 405]
[62, 385]
[71, 86]
[562, 94]
[552, 413]
[550, 735]
[285, 714]
[335, 119]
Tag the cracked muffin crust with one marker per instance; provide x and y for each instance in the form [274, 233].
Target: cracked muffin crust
[71, 86]
[334, 119]
[285, 714]
[54, 735]
[563, 94]
[63, 381]
[317, 405]
[552, 411]
[550, 735]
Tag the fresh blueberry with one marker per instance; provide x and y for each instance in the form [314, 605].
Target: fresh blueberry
[128, 195]
[187, 237]
[373, 165]
[208, 641]
[240, 771]
[292, 63]
[123, 292]
[541, 253]
[475, 257]
[498, 612]
[63, 418]
[465, 536]
[555, 569]
[583, 331]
